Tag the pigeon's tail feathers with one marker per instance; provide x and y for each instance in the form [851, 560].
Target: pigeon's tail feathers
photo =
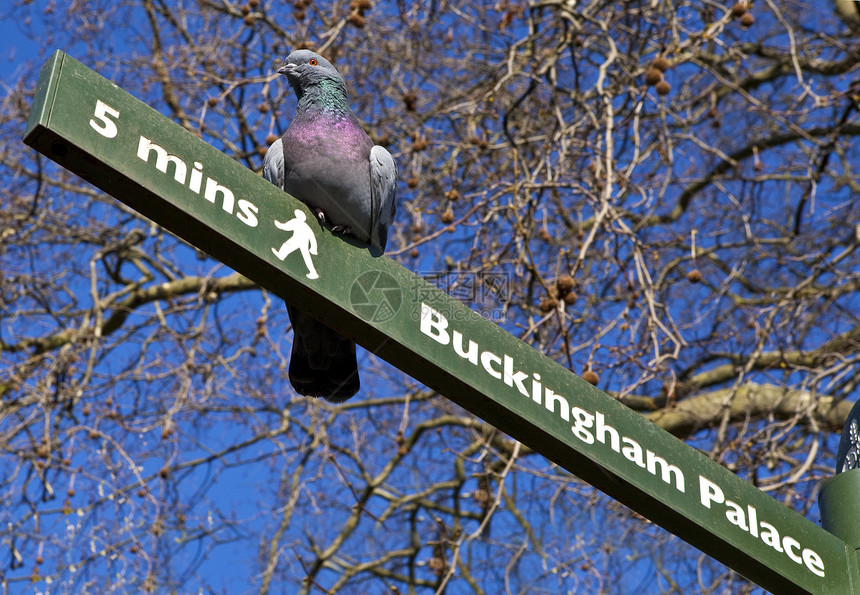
[322, 362]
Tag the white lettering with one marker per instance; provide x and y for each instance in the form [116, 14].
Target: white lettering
[486, 358]
[471, 354]
[771, 537]
[748, 521]
[753, 518]
[813, 562]
[601, 430]
[603, 433]
[247, 212]
[512, 378]
[105, 126]
[536, 392]
[710, 492]
[633, 452]
[196, 178]
[212, 190]
[162, 158]
[550, 401]
[433, 324]
[667, 471]
[591, 428]
[736, 515]
[789, 544]
[582, 421]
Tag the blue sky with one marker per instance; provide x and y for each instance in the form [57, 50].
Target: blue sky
[236, 487]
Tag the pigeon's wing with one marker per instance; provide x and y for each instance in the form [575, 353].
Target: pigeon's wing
[273, 164]
[383, 183]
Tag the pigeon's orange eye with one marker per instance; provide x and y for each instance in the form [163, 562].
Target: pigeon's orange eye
[313, 62]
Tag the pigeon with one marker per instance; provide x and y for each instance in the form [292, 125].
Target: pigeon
[327, 160]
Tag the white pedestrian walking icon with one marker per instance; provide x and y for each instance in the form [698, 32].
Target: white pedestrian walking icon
[303, 240]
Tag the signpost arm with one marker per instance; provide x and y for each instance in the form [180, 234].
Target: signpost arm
[95, 129]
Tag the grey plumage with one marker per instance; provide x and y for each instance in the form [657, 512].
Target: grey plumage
[326, 160]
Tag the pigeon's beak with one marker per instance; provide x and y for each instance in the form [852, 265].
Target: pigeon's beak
[286, 68]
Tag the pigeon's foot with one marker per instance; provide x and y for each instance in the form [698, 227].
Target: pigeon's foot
[319, 213]
[342, 229]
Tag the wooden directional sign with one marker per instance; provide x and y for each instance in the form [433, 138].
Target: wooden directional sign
[92, 127]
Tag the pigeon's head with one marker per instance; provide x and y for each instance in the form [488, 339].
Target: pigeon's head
[304, 68]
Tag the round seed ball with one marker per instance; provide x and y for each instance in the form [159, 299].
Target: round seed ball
[565, 283]
[591, 377]
[661, 64]
[653, 76]
[548, 304]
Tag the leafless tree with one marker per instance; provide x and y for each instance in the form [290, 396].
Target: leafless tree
[661, 195]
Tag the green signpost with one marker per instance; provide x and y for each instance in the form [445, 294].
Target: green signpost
[95, 129]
